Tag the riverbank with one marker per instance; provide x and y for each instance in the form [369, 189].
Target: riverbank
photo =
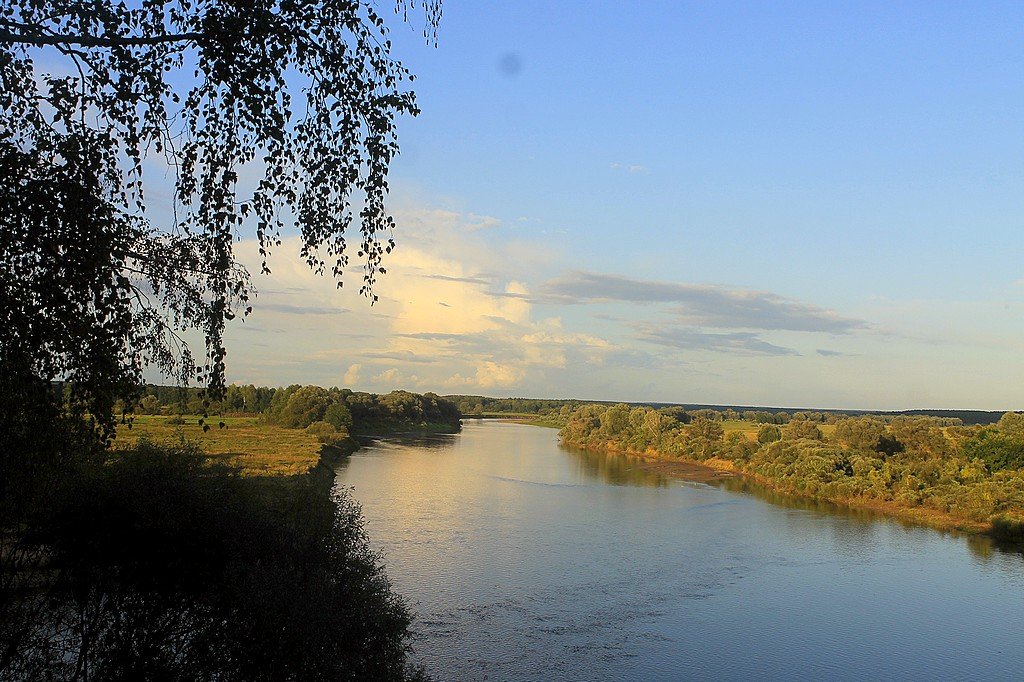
[717, 469]
[691, 470]
[701, 472]
[920, 470]
[248, 443]
[257, 447]
[918, 515]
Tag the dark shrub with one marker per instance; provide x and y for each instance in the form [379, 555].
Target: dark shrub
[998, 450]
[168, 568]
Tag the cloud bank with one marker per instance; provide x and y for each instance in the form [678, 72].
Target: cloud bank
[703, 304]
[462, 311]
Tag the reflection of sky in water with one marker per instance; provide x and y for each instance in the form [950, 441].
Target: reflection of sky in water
[528, 561]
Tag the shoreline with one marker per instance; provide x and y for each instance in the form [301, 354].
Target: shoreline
[716, 469]
[689, 470]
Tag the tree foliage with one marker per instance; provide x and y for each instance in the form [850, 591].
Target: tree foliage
[801, 428]
[998, 449]
[768, 433]
[971, 474]
[268, 115]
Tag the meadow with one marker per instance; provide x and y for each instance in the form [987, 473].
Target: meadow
[252, 444]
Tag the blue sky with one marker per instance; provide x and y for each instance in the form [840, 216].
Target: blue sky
[803, 204]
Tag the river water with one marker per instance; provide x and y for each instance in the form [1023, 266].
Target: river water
[527, 561]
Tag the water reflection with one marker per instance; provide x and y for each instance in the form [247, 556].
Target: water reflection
[986, 548]
[749, 487]
[864, 523]
[427, 441]
[614, 468]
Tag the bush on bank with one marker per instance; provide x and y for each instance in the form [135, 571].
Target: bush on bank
[973, 474]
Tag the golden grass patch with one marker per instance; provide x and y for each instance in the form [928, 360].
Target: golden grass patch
[257, 448]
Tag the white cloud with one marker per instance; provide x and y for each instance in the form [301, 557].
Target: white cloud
[392, 379]
[352, 377]
[493, 374]
[481, 222]
[464, 311]
[631, 168]
[453, 312]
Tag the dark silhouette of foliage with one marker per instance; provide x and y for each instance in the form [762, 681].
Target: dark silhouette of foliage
[301, 95]
[169, 568]
[999, 450]
[267, 116]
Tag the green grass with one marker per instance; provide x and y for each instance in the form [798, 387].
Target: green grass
[749, 429]
[257, 448]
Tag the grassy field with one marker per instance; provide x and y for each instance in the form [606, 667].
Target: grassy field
[257, 448]
[749, 429]
[261, 449]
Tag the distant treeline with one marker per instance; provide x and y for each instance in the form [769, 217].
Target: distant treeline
[477, 405]
[783, 414]
[311, 406]
[930, 464]
[473, 405]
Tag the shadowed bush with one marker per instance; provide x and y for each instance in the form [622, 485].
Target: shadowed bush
[164, 567]
[1008, 530]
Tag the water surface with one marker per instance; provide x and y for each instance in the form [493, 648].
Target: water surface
[527, 561]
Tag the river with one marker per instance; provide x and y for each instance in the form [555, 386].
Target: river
[524, 560]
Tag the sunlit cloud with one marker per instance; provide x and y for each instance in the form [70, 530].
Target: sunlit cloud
[392, 379]
[465, 280]
[453, 314]
[352, 376]
[399, 356]
[488, 375]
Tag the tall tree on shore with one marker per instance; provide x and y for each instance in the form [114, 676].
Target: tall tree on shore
[268, 114]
